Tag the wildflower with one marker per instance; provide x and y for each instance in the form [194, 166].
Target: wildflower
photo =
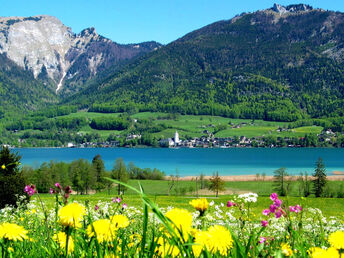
[57, 185]
[51, 191]
[272, 208]
[286, 250]
[211, 203]
[277, 203]
[3, 167]
[30, 189]
[104, 230]
[12, 231]
[298, 208]
[230, 204]
[278, 214]
[264, 223]
[248, 197]
[119, 221]
[336, 239]
[116, 200]
[266, 212]
[96, 207]
[124, 206]
[165, 249]
[262, 240]
[200, 204]
[61, 238]
[218, 239]
[71, 215]
[317, 252]
[273, 196]
[182, 220]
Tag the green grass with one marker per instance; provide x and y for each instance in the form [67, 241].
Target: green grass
[90, 115]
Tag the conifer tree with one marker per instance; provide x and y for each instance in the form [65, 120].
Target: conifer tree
[320, 178]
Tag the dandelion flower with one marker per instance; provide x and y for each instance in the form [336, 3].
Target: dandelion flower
[102, 229]
[336, 239]
[317, 252]
[3, 167]
[13, 232]
[61, 238]
[200, 204]
[286, 250]
[182, 219]
[165, 249]
[119, 221]
[215, 239]
[71, 215]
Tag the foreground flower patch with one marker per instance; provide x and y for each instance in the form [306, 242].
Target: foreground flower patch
[112, 229]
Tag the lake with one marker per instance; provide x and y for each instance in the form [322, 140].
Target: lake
[184, 161]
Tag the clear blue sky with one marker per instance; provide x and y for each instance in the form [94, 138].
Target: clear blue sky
[132, 21]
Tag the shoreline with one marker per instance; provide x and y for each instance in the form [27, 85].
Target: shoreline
[253, 178]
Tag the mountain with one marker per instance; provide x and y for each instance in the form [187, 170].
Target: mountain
[62, 60]
[282, 63]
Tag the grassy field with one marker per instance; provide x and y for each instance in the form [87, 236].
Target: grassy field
[194, 126]
[158, 190]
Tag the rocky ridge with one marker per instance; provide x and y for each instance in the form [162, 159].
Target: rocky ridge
[53, 53]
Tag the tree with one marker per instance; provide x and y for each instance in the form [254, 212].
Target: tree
[99, 167]
[119, 172]
[216, 184]
[320, 179]
[82, 175]
[280, 181]
[12, 181]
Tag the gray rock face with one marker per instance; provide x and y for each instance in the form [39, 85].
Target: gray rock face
[291, 8]
[52, 52]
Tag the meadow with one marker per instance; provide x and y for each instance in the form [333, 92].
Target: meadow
[140, 225]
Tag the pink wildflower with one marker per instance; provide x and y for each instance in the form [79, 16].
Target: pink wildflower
[264, 223]
[51, 191]
[230, 204]
[266, 212]
[30, 189]
[272, 208]
[262, 240]
[278, 214]
[57, 185]
[96, 207]
[277, 203]
[292, 208]
[298, 208]
[273, 196]
[124, 206]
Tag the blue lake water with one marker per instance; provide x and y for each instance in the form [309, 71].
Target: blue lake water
[232, 161]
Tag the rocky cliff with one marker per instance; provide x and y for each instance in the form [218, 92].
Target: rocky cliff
[57, 56]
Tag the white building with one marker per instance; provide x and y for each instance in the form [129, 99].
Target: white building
[176, 138]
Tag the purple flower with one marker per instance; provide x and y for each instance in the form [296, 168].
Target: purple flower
[272, 208]
[278, 214]
[277, 203]
[262, 240]
[118, 200]
[30, 189]
[51, 191]
[264, 223]
[298, 208]
[273, 196]
[57, 185]
[230, 204]
[96, 207]
[124, 206]
[266, 212]
[292, 208]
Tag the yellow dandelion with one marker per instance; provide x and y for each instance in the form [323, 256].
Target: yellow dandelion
[165, 249]
[10, 249]
[336, 239]
[103, 229]
[220, 240]
[200, 204]
[182, 220]
[202, 239]
[3, 167]
[13, 232]
[33, 211]
[21, 219]
[134, 239]
[119, 221]
[317, 252]
[286, 250]
[61, 239]
[71, 215]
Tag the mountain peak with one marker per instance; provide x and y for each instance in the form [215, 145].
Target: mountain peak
[295, 8]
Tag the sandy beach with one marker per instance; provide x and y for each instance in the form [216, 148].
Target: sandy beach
[332, 177]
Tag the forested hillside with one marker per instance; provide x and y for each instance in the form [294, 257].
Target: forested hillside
[263, 65]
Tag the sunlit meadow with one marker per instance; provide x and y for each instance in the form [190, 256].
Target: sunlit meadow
[114, 229]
